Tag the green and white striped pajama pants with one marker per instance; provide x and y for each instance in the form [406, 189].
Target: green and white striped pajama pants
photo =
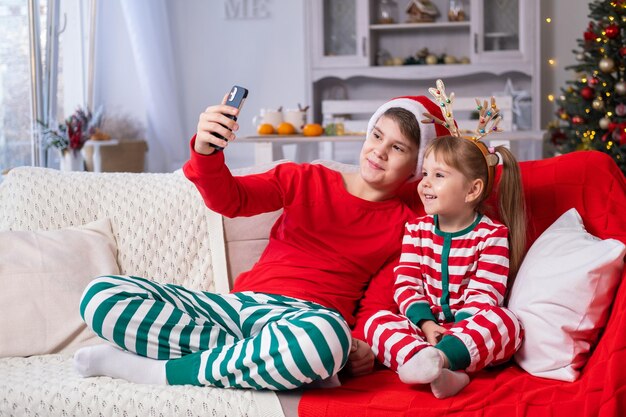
[239, 340]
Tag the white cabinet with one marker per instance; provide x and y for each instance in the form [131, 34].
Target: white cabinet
[499, 38]
[339, 35]
[345, 34]
[503, 30]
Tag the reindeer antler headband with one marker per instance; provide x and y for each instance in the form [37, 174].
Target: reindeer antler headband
[488, 119]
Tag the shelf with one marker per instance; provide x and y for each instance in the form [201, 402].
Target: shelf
[420, 26]
[421, 72]
[352, 71]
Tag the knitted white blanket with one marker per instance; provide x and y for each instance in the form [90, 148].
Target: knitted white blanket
[47, 385]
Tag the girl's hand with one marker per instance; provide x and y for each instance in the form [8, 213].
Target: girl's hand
[432, 331]
[213, 121]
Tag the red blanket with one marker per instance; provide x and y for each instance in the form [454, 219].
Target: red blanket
[588, 181]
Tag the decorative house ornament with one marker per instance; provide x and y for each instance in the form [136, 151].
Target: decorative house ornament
[421, 11]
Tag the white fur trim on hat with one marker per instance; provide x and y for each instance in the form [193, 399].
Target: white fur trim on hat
[427, 130]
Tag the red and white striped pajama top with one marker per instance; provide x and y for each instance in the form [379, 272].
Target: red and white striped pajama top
[457, 280]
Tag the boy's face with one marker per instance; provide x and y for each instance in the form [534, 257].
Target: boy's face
[388, 159]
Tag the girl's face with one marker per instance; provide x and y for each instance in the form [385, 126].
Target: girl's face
[445, 191]
[388, 159]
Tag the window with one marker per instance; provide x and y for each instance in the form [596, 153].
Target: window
[15, 82]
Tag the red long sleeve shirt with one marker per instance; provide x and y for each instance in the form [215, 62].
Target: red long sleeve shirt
[325, 246]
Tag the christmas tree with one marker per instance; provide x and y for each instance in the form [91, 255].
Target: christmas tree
[592, 108]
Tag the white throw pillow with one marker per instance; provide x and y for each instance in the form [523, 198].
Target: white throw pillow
[562, 295]
[42, 276]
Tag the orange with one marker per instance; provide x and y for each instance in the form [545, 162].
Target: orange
[286, 129]
[265, 129]
[312, 129]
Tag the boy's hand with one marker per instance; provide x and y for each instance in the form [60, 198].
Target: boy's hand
[213, 121]
[360, 358]
[432, 331]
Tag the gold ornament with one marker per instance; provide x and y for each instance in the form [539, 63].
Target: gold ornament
[597, 104]
[449, 59]
[620, 87]
[606, 64]
[604, 123]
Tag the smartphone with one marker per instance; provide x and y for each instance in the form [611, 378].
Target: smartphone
[236, 97]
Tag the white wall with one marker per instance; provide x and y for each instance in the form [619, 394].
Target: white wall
[216, 44]
[264, 54]
[558, 39]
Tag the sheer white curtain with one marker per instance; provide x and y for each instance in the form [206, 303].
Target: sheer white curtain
[150, 36]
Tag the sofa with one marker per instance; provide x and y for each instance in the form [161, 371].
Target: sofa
[72, 226]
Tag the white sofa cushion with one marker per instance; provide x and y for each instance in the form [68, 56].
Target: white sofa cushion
[245, 238]
[42, 276]
[562, 296]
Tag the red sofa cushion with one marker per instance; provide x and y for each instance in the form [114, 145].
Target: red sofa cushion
[593, 184]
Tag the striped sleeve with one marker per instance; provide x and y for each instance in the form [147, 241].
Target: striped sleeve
[408, 291]
[488, 286]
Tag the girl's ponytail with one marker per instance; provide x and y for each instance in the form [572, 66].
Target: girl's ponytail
[512, 209]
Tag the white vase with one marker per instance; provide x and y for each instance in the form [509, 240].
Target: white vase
[71, 160]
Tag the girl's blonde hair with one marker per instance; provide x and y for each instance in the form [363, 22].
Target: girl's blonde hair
[465, 156]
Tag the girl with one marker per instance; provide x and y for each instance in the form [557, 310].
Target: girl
[287, 321]
[452, 276]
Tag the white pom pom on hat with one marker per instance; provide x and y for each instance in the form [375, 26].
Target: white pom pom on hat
[428, 131]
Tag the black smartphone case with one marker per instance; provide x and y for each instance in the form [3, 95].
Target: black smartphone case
[236, 97]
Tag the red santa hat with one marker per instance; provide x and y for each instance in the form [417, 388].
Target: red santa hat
[428, 131]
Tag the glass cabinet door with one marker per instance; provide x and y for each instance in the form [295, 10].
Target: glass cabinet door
[340, 28]
[341, 32]
[499, 29]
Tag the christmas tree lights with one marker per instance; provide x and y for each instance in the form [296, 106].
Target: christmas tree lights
[592, 108]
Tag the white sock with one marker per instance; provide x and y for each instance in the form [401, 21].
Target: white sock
[111, 361]
[449, 383]
[423, 368]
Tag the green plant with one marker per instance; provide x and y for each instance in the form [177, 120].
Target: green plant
[73, 132]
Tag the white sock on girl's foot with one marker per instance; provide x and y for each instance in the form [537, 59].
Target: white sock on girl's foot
[449, 383]
[111, 361]
[422, 368]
